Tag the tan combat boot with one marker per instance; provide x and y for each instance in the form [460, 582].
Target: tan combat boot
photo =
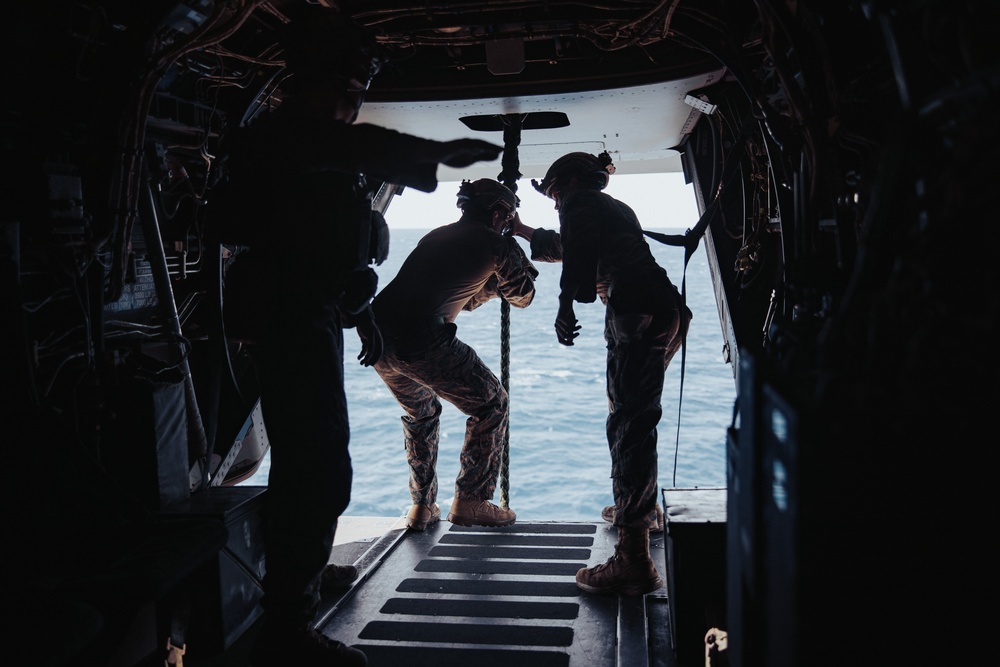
[480, 513]
[629, 572]
[421, 516]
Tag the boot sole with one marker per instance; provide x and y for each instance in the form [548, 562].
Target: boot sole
[463, 521]
[631, 589]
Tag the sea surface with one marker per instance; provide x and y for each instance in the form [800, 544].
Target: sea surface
[559, 461]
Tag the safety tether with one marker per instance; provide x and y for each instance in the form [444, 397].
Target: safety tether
[509, 176]
[689, 241]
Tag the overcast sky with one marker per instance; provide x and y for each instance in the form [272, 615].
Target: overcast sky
[660, 201]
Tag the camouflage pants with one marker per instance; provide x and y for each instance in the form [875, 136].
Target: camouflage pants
[640, 346]
[453, 371]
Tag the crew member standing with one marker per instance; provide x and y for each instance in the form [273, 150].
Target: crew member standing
[604, 255]
[298, 190]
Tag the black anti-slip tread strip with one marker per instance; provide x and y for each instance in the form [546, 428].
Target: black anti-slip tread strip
[499, 567]
[468, 633]
[553, 528]
[419, 656]
[522, 553]
[489, 587]
[502, 609]
[484, 597]
[518, 540]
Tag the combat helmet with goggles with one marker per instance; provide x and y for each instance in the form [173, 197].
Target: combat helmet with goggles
[486, 195]
[590, 171]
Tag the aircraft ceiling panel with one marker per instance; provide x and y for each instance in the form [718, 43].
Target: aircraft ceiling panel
[640, 126]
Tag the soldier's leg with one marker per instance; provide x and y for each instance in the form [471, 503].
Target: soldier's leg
[421, 427]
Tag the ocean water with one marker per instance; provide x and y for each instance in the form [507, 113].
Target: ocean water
[559, 460]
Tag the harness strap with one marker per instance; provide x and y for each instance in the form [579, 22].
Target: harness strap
[689, 241]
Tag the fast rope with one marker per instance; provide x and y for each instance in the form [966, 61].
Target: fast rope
[511, 165]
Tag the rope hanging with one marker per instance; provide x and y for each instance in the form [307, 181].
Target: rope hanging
[505, 381]
[509, 176]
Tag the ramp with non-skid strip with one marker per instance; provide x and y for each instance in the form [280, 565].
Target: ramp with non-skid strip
[489, 597]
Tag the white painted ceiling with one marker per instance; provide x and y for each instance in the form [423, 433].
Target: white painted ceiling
[639, 126]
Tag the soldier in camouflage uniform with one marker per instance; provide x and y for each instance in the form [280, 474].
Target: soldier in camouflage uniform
[455, 267]
[604, 254]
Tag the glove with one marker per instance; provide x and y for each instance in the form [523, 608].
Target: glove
[379, 242]
[372, 344]
[463, 152]
[360, 289]
[566, 323]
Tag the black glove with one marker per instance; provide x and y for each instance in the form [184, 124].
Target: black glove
[360, 288]
[567, 327]
[378, 246]
[463, 152]
[372, 344]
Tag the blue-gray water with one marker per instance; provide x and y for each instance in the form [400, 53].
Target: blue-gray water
[559, 461]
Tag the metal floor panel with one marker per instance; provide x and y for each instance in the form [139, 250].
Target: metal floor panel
[491, 597]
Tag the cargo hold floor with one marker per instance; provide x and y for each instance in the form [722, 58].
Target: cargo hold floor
[497, 597]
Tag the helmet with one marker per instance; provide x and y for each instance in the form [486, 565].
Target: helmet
[486, 194]
[592, 171]
[324, 44]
